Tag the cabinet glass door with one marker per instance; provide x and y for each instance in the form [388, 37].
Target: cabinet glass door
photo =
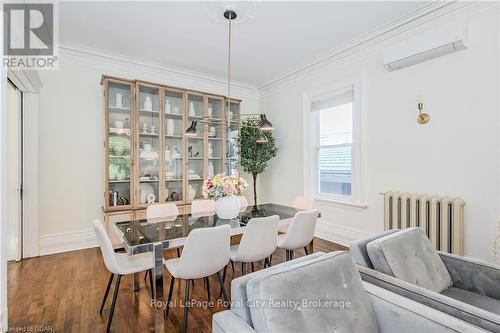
[215, 135]
[232, 154]
[119, 144]
[195, 147]
[148, 106]
[173, 148]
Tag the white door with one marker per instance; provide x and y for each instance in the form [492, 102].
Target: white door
[14, 172]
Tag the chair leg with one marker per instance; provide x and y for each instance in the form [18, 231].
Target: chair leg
[253, 268]
[223, 289]
[207, 281]
[287, 255]
[186, 307]
[146, 275]
[232, 266]
[172, 279]
[265, 263]
[243, 267]
[223, 279]
[291, 254]
[178, 253]
[115, 296]
[151, 282]
[305, 249]
[107, 292]
[270, 260]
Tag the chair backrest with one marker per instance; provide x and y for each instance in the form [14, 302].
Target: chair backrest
[303, 203]
[243, 203]
[107, 250]
[205, 252]
[259, 239]
[168, 209]
[301, 229]
[202, 206]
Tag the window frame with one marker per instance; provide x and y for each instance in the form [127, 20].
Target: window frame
[312, 146]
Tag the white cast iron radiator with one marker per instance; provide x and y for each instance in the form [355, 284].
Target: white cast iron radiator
[441, 218]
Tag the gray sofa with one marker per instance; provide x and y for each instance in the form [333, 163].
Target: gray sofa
[404, 262]
[324, 293]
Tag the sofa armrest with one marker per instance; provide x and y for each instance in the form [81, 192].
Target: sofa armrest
[227, 321]
[396, 313]
[473, 275]
[455, 308]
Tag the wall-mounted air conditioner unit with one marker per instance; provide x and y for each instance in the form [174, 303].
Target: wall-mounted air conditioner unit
[425, 46]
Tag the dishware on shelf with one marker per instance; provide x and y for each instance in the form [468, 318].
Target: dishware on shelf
[191, 109]
[231, 115]
[148, 104]
[144, 128]
[119, 100]
[210, 150]
[151, 198]
[212, 132]
[191, 192]
[147, 146]
[192, 171]
[170, 127]
[152, 130]
[118, 124]
[210, 110]
[168, 107]
[145, 190]
[176, 110]
[211, 170]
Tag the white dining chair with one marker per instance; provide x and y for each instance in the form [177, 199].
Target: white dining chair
[300, 232]
[303, 203]
[243, 203]
[164, 210]
[119, 264]
[202, 206]
[259, 241]
[206, 252]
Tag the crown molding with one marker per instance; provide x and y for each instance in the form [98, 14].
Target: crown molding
[361, 46]
[75, 53]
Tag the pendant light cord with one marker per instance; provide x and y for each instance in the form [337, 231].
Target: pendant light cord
[229, 72]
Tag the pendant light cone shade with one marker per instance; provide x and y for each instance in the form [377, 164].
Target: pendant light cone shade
[191, 131]
[265, 125]
[261, 138]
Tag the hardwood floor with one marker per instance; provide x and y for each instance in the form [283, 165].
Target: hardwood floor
[63, 292]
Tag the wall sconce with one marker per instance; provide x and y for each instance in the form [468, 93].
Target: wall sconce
[423, 118]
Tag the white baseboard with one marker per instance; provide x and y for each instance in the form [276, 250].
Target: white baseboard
[338, 234]
[71, 241]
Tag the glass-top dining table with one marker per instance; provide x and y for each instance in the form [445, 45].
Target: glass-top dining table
[156, 235]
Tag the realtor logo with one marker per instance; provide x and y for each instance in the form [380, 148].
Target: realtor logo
[29, 31]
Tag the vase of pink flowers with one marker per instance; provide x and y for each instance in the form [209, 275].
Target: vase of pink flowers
[224, 189]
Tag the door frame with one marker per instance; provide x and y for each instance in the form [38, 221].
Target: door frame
[29, 83]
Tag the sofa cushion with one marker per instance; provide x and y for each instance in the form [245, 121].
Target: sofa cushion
[239, 286]
[408, 255]
[477, 300]
[319, 295]
[358, 248]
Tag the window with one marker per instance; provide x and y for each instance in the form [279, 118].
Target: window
[333, 136]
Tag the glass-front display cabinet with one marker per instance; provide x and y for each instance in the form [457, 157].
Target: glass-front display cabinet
[233, 130]
[147, 156]
[118, 156]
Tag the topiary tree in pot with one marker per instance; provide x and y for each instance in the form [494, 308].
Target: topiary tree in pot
[254, 156]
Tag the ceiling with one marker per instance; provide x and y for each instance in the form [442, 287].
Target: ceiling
[272, 39]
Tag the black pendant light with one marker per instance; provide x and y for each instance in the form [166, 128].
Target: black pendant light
[261, 137]
[191, 131]
[265, 125]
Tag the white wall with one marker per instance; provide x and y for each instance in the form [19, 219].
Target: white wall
[71, 139]
[456, 154]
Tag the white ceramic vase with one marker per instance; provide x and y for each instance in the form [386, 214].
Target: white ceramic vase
[148, 104]
[170, 127]
[227, 207]
[192, 192]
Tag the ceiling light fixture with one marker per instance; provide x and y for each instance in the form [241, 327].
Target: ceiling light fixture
[261, 137]
[230, 15]
[265, 125]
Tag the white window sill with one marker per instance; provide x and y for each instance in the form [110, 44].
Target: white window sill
[343, 203]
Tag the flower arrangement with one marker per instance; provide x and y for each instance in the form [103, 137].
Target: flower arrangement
[222, 185]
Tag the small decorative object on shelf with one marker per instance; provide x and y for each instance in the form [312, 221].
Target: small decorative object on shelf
[191, 109]
[496, 245]
[174, 196]
[148, 104]
[151, 198]
[118, 100]
[123, 200]
[224, 190]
